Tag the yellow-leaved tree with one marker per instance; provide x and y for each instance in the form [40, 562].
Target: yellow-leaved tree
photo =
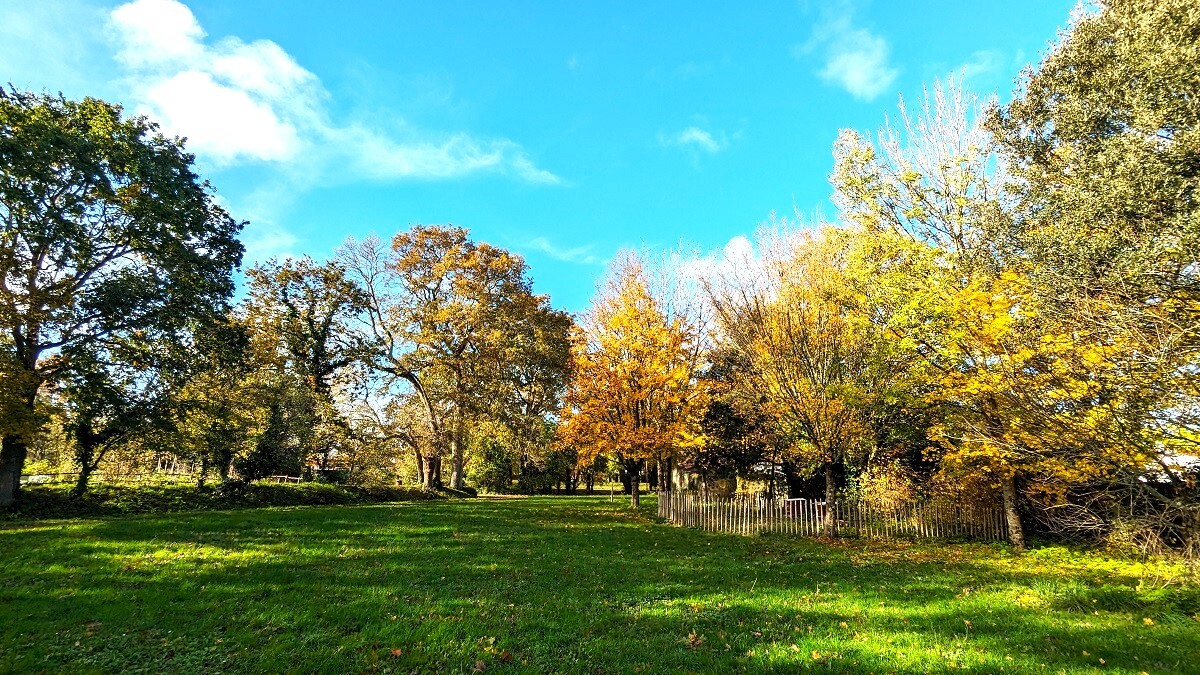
[813, 362]
[634, 394]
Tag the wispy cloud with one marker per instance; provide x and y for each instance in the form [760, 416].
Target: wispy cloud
[581, 255]
[242, 102]
[852, 57]
[696, 138]
[982, 65]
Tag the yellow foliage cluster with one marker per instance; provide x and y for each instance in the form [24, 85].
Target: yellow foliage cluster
[634, 394]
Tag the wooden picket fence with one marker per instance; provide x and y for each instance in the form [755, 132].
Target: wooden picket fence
[804, 517]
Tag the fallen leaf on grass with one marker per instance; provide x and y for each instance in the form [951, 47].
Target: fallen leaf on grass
[480, 666]
[505, 656]
[396, 652]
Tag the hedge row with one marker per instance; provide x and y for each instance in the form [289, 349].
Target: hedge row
[53, 501]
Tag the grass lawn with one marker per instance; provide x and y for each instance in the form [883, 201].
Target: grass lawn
[558, 584]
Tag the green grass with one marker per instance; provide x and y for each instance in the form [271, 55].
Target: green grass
[558, 584]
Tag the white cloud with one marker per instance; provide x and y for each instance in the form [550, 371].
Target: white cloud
[736, 255]
[581, 255]
[157, 32]
[855, 59]
[699, 138]
[224, 123]
[695, 138]
[240, 102]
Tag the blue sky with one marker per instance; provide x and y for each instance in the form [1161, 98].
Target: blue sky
[564, 131]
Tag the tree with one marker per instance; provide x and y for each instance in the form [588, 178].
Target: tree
[1104, 139]
[810, 356]
[116, 395]
[302, 318]
[534, 365]
[106, 231]
[931, 196]
[634, 393]
[219, 411]
[443, 312]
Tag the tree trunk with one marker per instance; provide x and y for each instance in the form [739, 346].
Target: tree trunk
[85, 455]
[12, 462]
[666, 469]
[633, 470]
[81, 482]
[420, 466]
[830, 524]
[1191, 533]
[1016, 533]
[791, 476]
[625, 481]
[457, 481]
[433, 472]
[591, 482]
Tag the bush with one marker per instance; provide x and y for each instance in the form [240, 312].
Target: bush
[53, 501]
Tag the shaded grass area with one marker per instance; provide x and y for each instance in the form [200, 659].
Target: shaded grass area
[559, 584]
[54, 501]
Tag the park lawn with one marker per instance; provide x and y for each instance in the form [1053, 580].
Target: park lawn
[560, 584]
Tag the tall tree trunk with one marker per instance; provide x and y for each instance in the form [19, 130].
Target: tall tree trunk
[81, 481]
[625, 481]
[12, 462]
[1016, 533]
[829, 524]
[457, 481]
[635, 500]
[15, 447]
[420, 466]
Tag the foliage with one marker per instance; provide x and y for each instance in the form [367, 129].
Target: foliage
[107, 233]
[1105, 139]
[457, 322]
[634, 393]
[54, 501]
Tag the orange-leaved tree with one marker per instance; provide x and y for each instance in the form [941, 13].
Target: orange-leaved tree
[634, 394]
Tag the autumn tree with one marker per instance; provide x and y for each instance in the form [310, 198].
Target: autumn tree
[635, 394]
[929, 193]
[1104, 139]
[219, 410]
[811, 358]
[107, 231]
[443, 313]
